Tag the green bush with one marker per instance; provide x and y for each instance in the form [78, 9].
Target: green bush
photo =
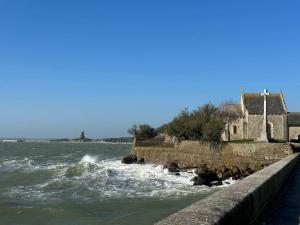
[205, 123]
[143, 131]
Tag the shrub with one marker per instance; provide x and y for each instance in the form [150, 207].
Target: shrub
[143, 131]
[205, 123]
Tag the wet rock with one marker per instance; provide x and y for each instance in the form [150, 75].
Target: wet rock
[212, 177]
[201, 170]
[129, 159]
[247, 172]
[172, 167]
[226, 175]
[236, 173]
[220, 175]
[141, 161]
[206, 177]
[198, 181]
[216, 183]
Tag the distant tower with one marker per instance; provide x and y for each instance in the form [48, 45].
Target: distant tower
[82, 137]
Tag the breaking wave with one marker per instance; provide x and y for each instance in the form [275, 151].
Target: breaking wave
[91, 179]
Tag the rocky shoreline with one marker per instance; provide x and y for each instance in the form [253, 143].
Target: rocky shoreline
[204, 175]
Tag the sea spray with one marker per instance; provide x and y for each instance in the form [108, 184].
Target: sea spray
[88, 159]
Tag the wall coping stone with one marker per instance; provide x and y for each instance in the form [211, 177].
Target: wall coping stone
[240, 203]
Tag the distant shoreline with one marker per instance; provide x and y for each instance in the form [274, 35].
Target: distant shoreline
[91, 142]
[63, 142]
[119, 140]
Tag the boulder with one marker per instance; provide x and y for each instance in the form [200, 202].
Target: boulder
[247, 172]
[198, 180]
[226, 175]
[202, 169]
[129, 159]
[236, 173]
[141, 161]
[206, 177]
[172, 167]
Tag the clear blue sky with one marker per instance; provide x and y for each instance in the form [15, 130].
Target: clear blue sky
[102, 66]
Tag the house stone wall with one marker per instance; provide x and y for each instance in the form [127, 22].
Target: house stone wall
[239, 134]
[277, 122]
[254, 126]
[285, 128]
[294, 132]
[278, 126]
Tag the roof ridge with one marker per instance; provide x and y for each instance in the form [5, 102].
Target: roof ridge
[254, 93]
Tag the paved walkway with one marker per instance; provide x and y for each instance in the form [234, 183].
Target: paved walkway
[286, 209]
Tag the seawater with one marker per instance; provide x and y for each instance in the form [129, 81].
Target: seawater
[76, 184]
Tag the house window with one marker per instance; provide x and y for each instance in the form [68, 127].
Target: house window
[235, 129]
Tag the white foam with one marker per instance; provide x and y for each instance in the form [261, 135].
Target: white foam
[89, 159]
[108, 179]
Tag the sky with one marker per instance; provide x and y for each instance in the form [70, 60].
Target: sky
[102, 66]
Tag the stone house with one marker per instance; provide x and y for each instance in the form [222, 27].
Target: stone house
[280, 124]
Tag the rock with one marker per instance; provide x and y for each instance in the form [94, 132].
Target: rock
[224, 169]
[259, 166]
[220, 175]
[216, 183]
[202, 169]
[226, 175]
[247, 172]
[236, 173]
[172, 167]
[206, 177]
[197, 181]
[141, 161]
[177, 174]
[129, 159]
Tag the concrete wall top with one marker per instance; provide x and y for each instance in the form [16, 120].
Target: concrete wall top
[239, 203]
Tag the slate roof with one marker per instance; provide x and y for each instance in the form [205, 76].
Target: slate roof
[294, 119]
[254, 103]
[235, 108]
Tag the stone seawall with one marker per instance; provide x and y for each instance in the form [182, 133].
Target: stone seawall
[240, 203]
[196, 154]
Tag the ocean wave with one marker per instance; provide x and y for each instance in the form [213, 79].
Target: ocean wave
[93, 179]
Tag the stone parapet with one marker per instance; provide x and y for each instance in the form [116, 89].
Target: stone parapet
[240, 203]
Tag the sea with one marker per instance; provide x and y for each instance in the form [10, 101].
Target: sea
[86, 184]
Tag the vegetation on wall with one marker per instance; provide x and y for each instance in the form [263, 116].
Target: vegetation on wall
[143, 131]
[205, 123]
